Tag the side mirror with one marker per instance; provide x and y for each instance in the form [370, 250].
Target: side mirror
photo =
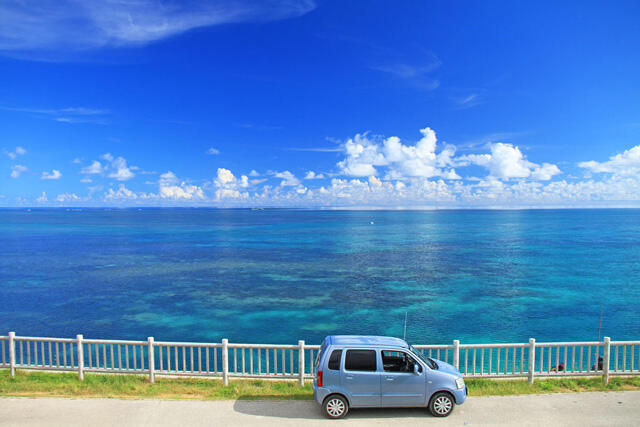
[416, 369]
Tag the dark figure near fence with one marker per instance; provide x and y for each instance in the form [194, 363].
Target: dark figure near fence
[558, 368]
[600, 363]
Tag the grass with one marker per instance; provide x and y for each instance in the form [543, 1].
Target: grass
[34, 384]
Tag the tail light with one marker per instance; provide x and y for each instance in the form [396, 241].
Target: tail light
[319, 378]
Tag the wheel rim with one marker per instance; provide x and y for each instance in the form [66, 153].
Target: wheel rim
[335, 407]
[442, 405]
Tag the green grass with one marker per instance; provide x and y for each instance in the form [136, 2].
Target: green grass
[34, 384]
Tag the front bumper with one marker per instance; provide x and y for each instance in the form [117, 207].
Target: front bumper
[461, 395]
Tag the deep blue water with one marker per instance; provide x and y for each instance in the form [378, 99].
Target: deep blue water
[276, 276]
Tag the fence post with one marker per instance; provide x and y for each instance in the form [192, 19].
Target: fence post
[605, 364]
[456, 354]
[80, 358]
[12, 354]
[152, 374]
[225, 361]
[301, 363]
[532, 359]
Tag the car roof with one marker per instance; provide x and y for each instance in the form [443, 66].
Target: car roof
[370, 340]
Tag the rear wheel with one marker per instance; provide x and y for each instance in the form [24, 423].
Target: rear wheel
[441, 404]
[335, 406]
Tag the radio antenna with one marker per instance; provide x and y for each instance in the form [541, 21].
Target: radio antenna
[405, 326]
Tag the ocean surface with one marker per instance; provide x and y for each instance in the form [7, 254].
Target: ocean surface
[277, 276]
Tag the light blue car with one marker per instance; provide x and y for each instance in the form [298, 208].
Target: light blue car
[354, 371]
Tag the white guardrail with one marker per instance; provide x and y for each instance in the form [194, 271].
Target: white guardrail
[230, 360]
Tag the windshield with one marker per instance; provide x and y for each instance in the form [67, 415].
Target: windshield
[426, 360]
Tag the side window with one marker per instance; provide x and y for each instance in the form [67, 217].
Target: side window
[398, 361]
[361, 360]
[334, 360]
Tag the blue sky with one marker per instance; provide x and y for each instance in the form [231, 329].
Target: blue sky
[325, 103]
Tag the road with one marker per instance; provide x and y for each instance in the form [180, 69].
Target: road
[579, 409]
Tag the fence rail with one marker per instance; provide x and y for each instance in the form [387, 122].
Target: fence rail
[231, 360]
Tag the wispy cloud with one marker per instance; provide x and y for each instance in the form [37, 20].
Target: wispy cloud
[19, 151]
[468, 101]
[66, 115]
[416, 73]
[212, 151]
[76, 25]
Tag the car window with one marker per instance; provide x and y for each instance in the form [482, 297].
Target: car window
[398, 361]
[361, 360]
[334, 360]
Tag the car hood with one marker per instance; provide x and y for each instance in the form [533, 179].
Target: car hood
[445, 367]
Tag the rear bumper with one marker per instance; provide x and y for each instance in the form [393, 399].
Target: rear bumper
[320, 393]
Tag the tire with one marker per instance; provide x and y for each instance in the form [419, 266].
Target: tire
[335, 407]
[441, 404]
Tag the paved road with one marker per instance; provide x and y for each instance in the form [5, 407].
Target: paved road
[606, 409]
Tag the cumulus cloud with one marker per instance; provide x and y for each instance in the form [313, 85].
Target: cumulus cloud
[507, 161]
[288, 179]
[170, 187]
[121, 171]
[43, 198]
[93, 168]
[624, 164]
[19, 151]
[365, 155]
[75, 25]
[313, 175]
[116, 167]
[18, 170]
[67, 197]
[54, 174]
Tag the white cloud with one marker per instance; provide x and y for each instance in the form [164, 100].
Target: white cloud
[213, 151]
[122, 193]
[364, 156]
[43, 198]
[122, 172]
[18, 170]
[67, 197]
[94, 168]
[288, 179]
[75, 25]
[624, 164]
[313, 175]
[170, 187]
[77, 161]
[254, 173]
[19, 151]
[225, 176]
[116, 166]
[54, 174]
[507, 161]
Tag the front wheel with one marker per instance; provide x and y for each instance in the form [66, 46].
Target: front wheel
[441, 404]
[335, 407]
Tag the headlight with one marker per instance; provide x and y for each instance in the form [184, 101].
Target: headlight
[460, 383]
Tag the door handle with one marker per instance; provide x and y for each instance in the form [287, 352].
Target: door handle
[389, 378]
[349, 377]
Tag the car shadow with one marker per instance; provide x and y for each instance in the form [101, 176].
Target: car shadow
[310, 410]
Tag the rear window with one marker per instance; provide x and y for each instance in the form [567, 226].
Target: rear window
[334, 360]
[360, 360]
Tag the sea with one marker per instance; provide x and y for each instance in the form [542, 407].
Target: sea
[283, 275]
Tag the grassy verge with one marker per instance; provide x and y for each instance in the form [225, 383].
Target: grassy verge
[35, 384]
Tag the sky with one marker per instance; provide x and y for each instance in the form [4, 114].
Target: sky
[332, 104]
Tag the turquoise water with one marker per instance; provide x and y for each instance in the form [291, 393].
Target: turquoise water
[277, 276]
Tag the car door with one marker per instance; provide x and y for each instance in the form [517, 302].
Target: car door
[360, 377]
[401, 386]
